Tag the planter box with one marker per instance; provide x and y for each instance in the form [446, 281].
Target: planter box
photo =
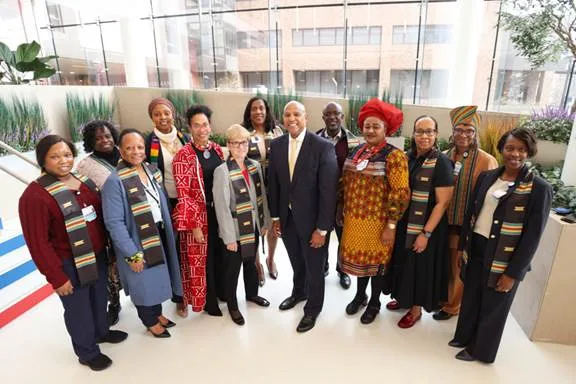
[550, 153]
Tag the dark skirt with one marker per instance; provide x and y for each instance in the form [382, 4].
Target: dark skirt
[419, 278]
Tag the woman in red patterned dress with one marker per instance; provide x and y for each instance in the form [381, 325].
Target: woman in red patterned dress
[194, 216]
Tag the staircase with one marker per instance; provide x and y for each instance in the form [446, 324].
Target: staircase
[21, 285]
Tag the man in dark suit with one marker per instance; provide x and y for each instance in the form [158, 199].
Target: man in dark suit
[302, 182]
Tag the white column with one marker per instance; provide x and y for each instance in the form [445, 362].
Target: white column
[466, 36]
[569, 170]
[134, 52]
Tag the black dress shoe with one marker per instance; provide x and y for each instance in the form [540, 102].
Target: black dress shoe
[441, 315]
[291, 302]
[216, 312]
[113, 337]
[355, 305]
[112, 316]
[168, 324]
[236, 316]
[97, 363]
[344, 280]
[464, 355]
[163, 335]
[369, 315]
[306, 324]
[456, 344]
[258, 300]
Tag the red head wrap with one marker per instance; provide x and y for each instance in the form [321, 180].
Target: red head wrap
[388, 113]
[161, 100]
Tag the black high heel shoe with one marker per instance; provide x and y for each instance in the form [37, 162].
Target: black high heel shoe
[162, 335]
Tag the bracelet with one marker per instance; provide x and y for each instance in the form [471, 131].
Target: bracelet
[135, 258]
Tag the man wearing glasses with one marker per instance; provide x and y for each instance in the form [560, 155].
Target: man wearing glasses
[469, 161]
[344, 141]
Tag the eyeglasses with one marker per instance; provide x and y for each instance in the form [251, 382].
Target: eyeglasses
[464, 132]
[427, 132]
[237, 143]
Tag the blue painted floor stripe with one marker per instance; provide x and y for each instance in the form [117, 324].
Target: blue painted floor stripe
[17, 273]
[12, 244]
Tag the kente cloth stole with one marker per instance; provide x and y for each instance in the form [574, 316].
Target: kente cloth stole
[462, 187]
[421, 190]
[78, 235]
[254, 150]
[155, 146]
[244, 206]
[103, 163]
[136, 195]
[511, 230]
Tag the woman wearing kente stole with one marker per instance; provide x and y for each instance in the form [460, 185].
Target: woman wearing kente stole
[502, 228]
[242, 213]
[373, 195]
[469, 161]
[61, 219]
[419, 267]
[137, 215]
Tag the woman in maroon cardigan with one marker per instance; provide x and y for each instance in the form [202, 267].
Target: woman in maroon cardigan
[61, 216]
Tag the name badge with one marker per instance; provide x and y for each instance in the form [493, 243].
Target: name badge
[89, 213]
[424, 178]
[362, 165]
[457, 168]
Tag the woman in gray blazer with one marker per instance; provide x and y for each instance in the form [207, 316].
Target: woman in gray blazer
[242, 213]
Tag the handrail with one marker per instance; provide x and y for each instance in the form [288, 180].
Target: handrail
[14, 175]
[17, 153]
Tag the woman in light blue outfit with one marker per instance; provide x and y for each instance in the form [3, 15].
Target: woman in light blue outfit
[141, 230]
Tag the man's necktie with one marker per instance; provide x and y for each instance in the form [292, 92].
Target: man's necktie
[292, 158]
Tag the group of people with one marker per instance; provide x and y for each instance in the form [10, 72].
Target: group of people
[169, 216]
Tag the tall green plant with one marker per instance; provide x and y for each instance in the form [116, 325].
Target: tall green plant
[277, 100]
[82, 110]
[182, 100]
[22, 123]
[23, 65]
[491, 131]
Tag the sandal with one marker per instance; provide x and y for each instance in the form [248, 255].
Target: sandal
[272, 271]
[182, 310]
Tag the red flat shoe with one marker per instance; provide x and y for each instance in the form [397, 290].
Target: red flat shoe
[393, 305]
[408, 321]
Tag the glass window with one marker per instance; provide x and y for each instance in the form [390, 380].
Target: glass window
[360, 35]
[310, 37]
[297, 37]
[375, 35]
[327, 36]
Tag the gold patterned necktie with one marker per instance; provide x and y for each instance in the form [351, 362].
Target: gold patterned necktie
[292, 157]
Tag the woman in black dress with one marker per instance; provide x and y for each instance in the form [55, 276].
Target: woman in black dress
[419, 263]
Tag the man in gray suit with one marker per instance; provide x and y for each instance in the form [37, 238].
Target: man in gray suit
[303, 178]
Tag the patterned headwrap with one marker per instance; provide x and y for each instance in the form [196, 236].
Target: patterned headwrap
[465, 115]
[388, 113]
[161, 100]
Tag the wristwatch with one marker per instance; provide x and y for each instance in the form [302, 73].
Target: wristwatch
[427, 234]
[391, 226]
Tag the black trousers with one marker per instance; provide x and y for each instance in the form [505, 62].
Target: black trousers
[85, 310]
[484, 310]
[308, 267]
[215, 266]
[175, 298]
[149, 314]
[338, 230]
[234, 261]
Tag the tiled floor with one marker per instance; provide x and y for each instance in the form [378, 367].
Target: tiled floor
[35, 348]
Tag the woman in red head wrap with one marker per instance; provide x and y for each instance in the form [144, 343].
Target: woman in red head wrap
[374, 193]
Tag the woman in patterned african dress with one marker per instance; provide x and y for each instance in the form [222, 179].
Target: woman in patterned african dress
[374, 192]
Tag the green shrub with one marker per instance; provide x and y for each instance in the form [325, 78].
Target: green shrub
[551, 123]
[22, 123]
[564, 196]
[82, 110]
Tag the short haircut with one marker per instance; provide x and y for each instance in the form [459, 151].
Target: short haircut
[89, 133]
[295, 102]
[523, 134]
[237, 132]
[128, 131]
[196, 109]
[269, 123]
[46, 143]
